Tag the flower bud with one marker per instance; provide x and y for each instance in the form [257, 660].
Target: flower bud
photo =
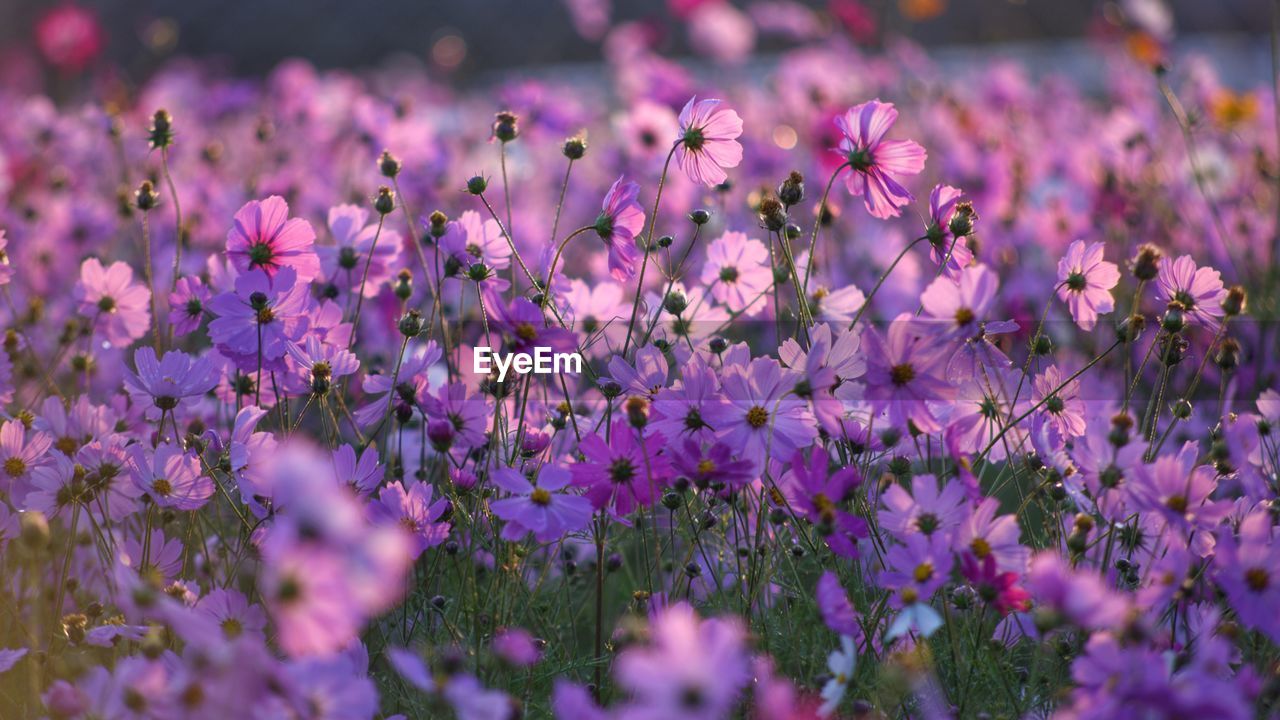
[403, 287]
[160, 134]
[665, 241]
[675, 302]
[388, 164]
[963, 220]
[1173, 320]
[637, 412]
[609, 387]
[411, 324]
[1182, 409]
[773, 217]
[1146, 264]
[506, 126]
[718, 345]
[385, 201]
[575, 147]
[1234, 303]
[792, 231]
[146, 198]
[438, 223]
[1130, 329]
[1228, 355]
[791, 191]
[441, 433]
[477, 185]
[700, 216]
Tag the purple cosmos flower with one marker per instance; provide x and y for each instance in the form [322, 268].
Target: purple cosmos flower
[692, 669]
[118, 308]
[837, 612]
[683, 409]
[620, 221]
[906, 372]
[1247, 568]
[412, 509]
[516, 646]
[363, 475]
[988, 536]
[1085, 281]
[411, 386]
[265, 238]
[232, 613]
[624, 473]
[1078, 596]
[262, 315]
[315, 364]
[820, 495]
[927, 510]
[647, 377]
[20, 453]
[877, 163]
[1178, 489]
[170, 477]
[187, 305]
[1197, 289]
[716, 464]
[708, 141]
[167, 381]
[541, 510]
[466, 411]
[760, 414]
[1063, 410]
[525, 328]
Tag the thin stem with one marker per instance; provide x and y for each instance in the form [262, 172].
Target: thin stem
[867, 302]
[355, 320]
[648, 246]
[177, 212]
[817, 223]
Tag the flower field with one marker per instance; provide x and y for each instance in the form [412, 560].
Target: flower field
[904, 393]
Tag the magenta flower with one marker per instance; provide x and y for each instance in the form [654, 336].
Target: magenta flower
[738, 272]
[708, 141]
[118, 308]
[1177, 489]
[516, 646]
[541, 510]
[170, 476]
[693, 669]
[1197, 289]
[187, 305]
[715, 465]
[1080, 597]
[1085, 281]
[877, 163]
[265, 238]
[821, 496]
[620, 221]
[988, 536]
[837, 612]
[624, 473]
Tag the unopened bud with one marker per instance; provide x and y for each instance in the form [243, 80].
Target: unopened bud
[160, 134]
[1146, 264]
[477, 185]
[385, 201]
[575, 147]
[506, 126]
[1234, 303]
[146, 198]
[791, 191]
[388, 164]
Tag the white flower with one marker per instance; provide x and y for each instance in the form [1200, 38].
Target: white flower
[918, 617]
[840, 663]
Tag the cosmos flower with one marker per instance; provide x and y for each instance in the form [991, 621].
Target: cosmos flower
[906, 369]
[541, 510]
[1198, 290]
[877, 163]
[116, 306]
[624, 473]
[167, 381]
[264, 237]
[737, 271]
[620, 221]
[357, 244]
[708, 141]
[187, 305]
[692, 669]
[1085, 281]
[261, 316]
[170, 477]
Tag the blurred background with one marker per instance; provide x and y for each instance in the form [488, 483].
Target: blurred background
[472, 40]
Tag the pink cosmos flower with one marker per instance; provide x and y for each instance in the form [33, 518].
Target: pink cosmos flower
[1248, 570]
[20, 453]
[1198, 289]
[542, 510]
[1085, 281]
[693, 669]
[118, 308]
[737, 271]
[624, 473]
[877, 162]
[170, 476]
[265, 238]
[621, 219]
[708, 141]
[927, 510]
[944, 246]
[413, 509]
[233, 613]
[343, 264]
[761, 415]
[1062, 410]
[262, 315]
